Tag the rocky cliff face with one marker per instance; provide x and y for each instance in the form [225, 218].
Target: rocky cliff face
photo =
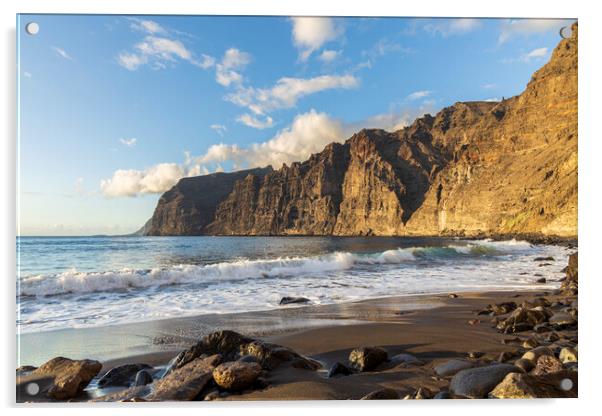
[474, 168]
[190, 205]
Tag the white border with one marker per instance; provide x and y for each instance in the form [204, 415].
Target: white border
[590, 94]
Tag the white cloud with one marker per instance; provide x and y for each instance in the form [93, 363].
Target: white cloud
[418, 94]
[329, 55]
[535, 54]
[219, 128]
[287, 91]
[255, 122]
[488, 86]
[493, 99]
[450, 27]
[227, 70]
[525, 27]
[156, 179]
[159, 48]
[310, 33]
[61, 53]
[129, 142]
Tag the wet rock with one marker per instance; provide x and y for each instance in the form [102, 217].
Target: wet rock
[287, 300]
[122, 375]
[535, 353]
[443, 394]
[143, 378]
[562, 320]
[382, 394]
[406, 359]
[476, 383]
[186, 382]
[339, 369]
[451, 367]
[236, 375]
[524, 364]
[498, 308]
[70, 376]
[367, 358]
[547, 364]
[568, 355]
[524, 386]
[530, 343]
[271, 356]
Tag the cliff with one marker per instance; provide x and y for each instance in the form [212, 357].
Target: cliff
[474, 168]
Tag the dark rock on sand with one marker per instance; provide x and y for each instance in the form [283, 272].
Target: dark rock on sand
[543, 259]
[288, 300]
[524, 386]
[475, 354]
[522, 319]
[143, 378]
[443, 394]
[236, 375]
[547, 364]
[70, 376]
[562, 320]
[382, 394]
[451, 367]
[535, 353]
[339, 369]
[186, 382]
[367, 358]
[524, 364]
[476, 383]
[498, 308]
[541, 280]
[122, 375]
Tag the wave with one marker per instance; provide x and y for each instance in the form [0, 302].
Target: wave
[79, 282]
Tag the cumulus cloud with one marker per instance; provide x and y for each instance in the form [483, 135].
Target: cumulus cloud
[451, 27]
[62, 53]
[525, 27]
[156, 179]
[159, 48]
[256, 122]
[227, 70]
[418, 95]
[287, 91]
[129, 142]
[310, 33]
[329, 55]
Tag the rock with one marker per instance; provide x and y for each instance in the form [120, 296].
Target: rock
[271, 356]
[547, 364]
[382, 394]
[122, 375]
[185, 383]
[535, 353]
[287, 300]
[541, 280]
[453, 296]
[562, 320]
[476, 383]
[249, 359]
[236, 375]
[524, 364]
[134, 393]
[552, 337]
[451, 367]
[530, 343]
[514, 340]
[367, 358]
[70, 376]
[143, 378]
[542, 327]
[406, 359]
[523, 386]
[24, 369]
[505, 356]
[212, 395]
[568, 355]
[522, 319]
[473, 322]
[420, 394]
[339, 369]
[543, 259]
[475, 354]
[443, 394]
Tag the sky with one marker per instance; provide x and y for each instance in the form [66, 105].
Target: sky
[114, 110]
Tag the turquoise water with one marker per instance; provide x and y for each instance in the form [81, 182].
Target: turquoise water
[74, 282]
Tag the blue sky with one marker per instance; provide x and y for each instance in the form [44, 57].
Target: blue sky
[115, 109]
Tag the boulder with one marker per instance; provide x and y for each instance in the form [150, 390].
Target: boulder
[185, 383]
[524, 386]
[562, 320]
[451, 367]
[568, 355]
[382, 394]
[236, 375]
[339, 369]
[522, 319]
[547, 364]
[287, 300]
[367, 358]
[535, 353]
[476, 383]
[70, 376]
[122, 375]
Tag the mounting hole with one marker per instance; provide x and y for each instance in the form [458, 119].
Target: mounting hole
[566, 384]
[32, 389]
[32, 28]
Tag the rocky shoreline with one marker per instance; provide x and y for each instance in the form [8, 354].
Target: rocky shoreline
[536, 357]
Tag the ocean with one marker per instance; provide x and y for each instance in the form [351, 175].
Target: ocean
[83, 282]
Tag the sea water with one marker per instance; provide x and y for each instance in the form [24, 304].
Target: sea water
[77, 282]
